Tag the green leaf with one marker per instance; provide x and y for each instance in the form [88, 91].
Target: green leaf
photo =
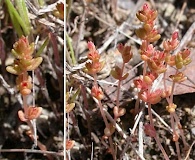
[23, 12]
[45, 43]
[18, 23]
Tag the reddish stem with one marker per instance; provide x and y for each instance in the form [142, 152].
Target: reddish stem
[156, 137]
[118, 90]
[105, 119]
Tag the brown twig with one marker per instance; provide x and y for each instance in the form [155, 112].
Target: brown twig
[188, 154]
[33, 151]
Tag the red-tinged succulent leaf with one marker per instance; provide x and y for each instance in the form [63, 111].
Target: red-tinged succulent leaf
[179, 77]
[116, 72]
[175, 35]
[152, 98]
[185, 53]
[143, 96]
[155, 38]
[175, 137]
[141, 33]
[60, 8]
[170, 60]
[24, 85]
[33, 112]
[141, 17]
[110, 130]
[187, 61]
[91, 46]
[120, 47]
[69, 144]
[155, 96]
[118, 112]
[127, 54]
[22, 116]
[25, 91]
[97, 92]
[150, 77]
[121, 111]
[35, 62]
[13, 70]
[69, 107]
[188, 85]
[148, 27]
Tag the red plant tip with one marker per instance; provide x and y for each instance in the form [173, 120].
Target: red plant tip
[97, 92]
[146, 15]
[175, 35]
[95, 66]
[145, 7]
[22, 48]
[91, 46]
[125, 52]
[185, 53]
[93, 53]
[120, 47]
[94, 56]
[25, 84]
[60, 8]
[31, 113]
[170, 45]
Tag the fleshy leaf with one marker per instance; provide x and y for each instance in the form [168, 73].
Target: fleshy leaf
[69, 107]
[13, 70]
[34, 63]
[34, 112]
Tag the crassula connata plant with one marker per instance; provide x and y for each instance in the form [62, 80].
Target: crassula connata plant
[93, 66]
[156, 63]
[118, 74]
[23, 63]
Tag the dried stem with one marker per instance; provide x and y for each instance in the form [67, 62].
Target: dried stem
[32, 151]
